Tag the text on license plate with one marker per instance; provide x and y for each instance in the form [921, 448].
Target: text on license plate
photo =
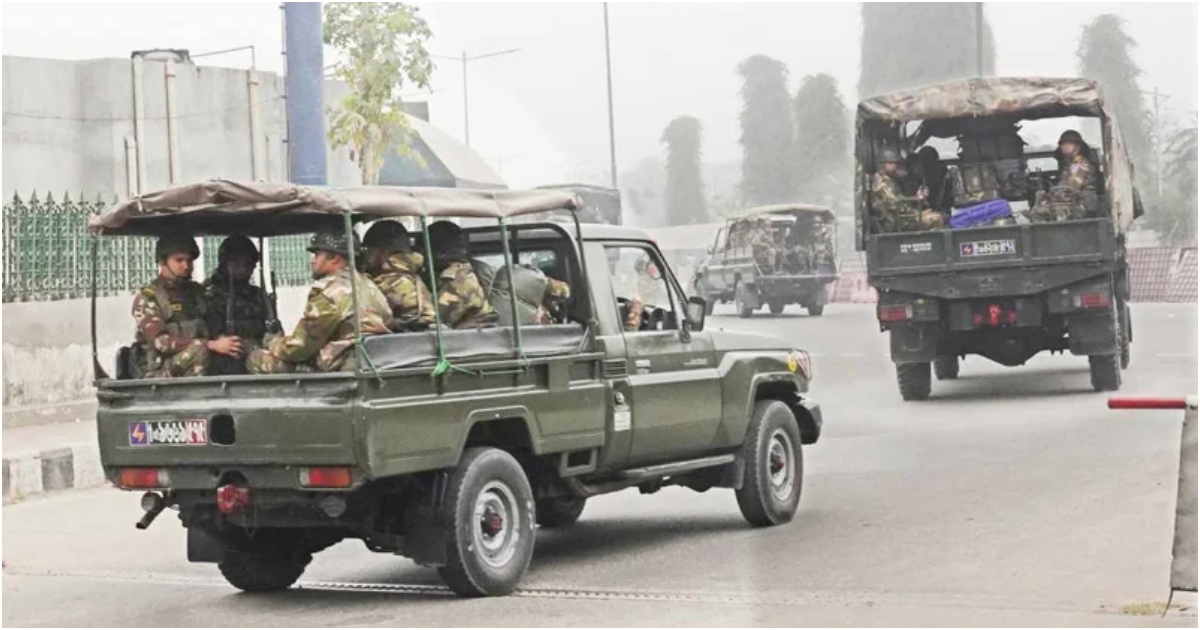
[183, 432]
[987, 248]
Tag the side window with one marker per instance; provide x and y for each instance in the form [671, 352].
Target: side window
[719, 243]
[642, 294]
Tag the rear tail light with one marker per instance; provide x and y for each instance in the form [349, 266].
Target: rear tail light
[144, 478]
[325, 477]
[895, 313]
[1097, 299]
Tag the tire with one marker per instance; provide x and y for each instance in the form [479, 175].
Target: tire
[946, 368]
[487, 558]
[774, 466]
[710, 304]
[777, 307]
[264, 569]
[914, 380]
[1126, 335]
[1106, 372]
[815, 310]
[559, 511]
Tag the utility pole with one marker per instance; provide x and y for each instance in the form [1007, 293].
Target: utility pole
[979, 39]
[612, 134]
[463, 59]
[1158, 140]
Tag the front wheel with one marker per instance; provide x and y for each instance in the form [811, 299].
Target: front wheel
[777, 307]
[774, 466]
[490, 517]
[914, 380]
[743, 310]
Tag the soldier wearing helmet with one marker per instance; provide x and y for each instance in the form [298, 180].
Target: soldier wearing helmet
[1078, 182]
[893, 210]
[236, 307]
[396, 269]
[172, 335]
[323, 340]
[461, 296]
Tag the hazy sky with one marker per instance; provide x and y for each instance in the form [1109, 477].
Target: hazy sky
[540, 114]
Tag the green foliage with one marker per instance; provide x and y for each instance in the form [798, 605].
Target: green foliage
[823, 166]
[685, 184]
[383, 45]
[1105, 54]
[768, 164]
[910, 44]
[1173, 216]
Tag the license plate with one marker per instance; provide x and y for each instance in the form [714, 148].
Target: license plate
[169, 432]
[987, 248]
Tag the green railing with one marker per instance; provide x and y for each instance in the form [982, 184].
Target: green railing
[47, 252]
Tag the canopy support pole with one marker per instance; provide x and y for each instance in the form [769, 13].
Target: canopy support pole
[512, 287]
[97, 371]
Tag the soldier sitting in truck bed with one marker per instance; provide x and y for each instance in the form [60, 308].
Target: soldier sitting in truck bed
[323, 339]
[396, 270]
[1078, 180]
[895, 211]
[461, 296]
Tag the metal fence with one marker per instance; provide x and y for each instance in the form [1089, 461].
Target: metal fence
[47, 252]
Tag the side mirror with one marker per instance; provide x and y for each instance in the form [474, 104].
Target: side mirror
[696, 309]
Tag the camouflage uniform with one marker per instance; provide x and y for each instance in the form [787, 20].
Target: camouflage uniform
[896, 212]
[554, 304]
[324, 337]
[171, 329]
[462, 302]
[762, 246]
[409, 298]
[1075, 195]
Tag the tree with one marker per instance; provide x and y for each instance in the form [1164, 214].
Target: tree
[900, 50]
[1105, 55]
[383, 45]
[823, 165]
[768, 164]
[685, 184]
[1174, 216]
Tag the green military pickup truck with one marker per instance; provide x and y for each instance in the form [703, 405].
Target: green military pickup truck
[448, 446]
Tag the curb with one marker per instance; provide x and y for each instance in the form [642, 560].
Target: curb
[75, 466]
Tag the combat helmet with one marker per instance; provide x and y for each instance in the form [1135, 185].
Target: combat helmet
[387, 235]
[175, 244]
[237, 245]
[889, 154]
[447, 240]
[332, 240]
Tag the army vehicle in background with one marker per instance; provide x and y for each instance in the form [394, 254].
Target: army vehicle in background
[801, 266]
[448, 446]
[598, 204]
[1006, 288]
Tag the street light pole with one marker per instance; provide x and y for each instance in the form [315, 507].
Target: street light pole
[463, 59]
[979, 39]
[612, 136]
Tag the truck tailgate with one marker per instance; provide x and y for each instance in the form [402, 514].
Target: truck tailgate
[243, 421]
[999, 247]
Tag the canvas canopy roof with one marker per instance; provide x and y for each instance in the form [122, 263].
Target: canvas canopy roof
[1030, 97]
[793, 209]
[268, 209]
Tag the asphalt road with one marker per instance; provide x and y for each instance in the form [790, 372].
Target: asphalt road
[1013, 497]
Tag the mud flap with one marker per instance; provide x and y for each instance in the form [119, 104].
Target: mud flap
[203, 546]
[1183, 561]
[1093, 333]
[914, 344]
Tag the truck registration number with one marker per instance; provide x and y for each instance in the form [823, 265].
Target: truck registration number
[171, 432]
[987, 248]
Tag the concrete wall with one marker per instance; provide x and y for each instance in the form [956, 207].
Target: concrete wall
[65, 125]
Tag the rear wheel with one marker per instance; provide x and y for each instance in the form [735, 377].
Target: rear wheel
[1106, 372]
[559, 511]
[774, 466]
[946, 368]
[267, 562]
[777, 307]
[1126, 335]
[816, 310]
[490, 517]
[914, 380]
[743, 310]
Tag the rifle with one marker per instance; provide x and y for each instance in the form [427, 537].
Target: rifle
[230, 324]
[272, 323]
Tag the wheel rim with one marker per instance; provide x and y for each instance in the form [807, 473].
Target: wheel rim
[781, 465]
[496, 524]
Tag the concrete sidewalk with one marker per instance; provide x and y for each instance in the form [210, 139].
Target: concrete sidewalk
[49, 457]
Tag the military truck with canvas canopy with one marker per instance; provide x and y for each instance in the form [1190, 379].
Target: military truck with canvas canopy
[771, 255]
[448, 446]
[1028, 254]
